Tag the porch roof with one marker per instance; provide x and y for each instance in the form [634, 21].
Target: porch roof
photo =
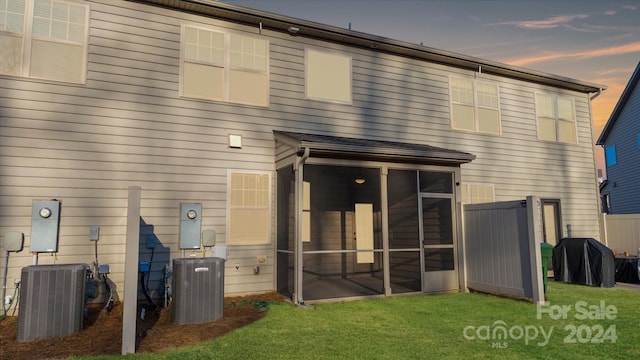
[328, 146]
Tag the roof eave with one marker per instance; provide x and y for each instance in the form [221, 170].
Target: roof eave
[378, 150]
[386, 154]
[633, 81]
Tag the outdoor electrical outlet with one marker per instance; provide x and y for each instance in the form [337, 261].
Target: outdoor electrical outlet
[7, 300]
[261, 260]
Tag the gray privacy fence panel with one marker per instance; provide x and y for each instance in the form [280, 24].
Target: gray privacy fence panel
[502, 248]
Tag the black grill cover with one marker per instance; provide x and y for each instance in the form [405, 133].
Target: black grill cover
[584, 261]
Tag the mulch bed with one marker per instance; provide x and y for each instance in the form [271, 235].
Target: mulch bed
[102, 333]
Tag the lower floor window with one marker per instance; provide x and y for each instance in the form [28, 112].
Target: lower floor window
[249, 207]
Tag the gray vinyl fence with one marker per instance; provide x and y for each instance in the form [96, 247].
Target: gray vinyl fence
[502, 248]
[622, 232]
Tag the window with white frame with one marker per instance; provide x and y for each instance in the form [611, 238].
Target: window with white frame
[224, 66]
[328, 76]
[556, 118]
[44, 39]
[249, 199]
[474, 106]
[477, 193]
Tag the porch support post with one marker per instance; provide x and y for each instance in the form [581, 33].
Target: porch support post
[534, 214]
[298, 246]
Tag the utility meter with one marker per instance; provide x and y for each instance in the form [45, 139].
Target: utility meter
[190, 223]
[45, 223]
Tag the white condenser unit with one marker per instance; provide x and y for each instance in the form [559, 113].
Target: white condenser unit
[198, 290]
[52, 299]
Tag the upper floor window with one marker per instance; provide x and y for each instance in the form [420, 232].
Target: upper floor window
[474, 106]
[610, 155]
[224, 66]
[556, 118]
[328, 76]
[44, 39]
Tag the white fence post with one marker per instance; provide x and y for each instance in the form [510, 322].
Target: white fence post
[534, 216]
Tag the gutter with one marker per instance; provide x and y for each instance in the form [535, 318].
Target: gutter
[305, 28]
[596, 94]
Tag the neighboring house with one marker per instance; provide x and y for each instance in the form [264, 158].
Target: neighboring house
[330, 162]
[620, 139]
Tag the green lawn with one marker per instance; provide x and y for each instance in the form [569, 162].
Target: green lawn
[451, 326]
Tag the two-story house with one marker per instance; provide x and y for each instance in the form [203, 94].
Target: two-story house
[331, 163]
[620, 139]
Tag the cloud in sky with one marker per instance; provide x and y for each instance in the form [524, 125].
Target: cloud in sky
[591, 53]
[610, 12]
[549, 23]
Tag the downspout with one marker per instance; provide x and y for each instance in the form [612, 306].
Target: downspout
[298, 258]
[601, 219]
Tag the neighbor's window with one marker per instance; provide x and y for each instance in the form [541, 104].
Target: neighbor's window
[328, 76]
[44, 39]
[224, 67]
[610, 155]
[474, 106]
[477, 193]
[556, 118]
[248, 196]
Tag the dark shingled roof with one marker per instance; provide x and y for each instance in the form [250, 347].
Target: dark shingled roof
[369, 149]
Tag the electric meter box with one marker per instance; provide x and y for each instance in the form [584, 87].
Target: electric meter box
[45, 225]
[190, 223]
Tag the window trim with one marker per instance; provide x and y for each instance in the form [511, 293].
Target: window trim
[558, 120]
[306, 75]
[27, 40]
[268, 208]
[476, 106]
[227, 67]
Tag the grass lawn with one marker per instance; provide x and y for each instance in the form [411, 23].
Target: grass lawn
[580, 322]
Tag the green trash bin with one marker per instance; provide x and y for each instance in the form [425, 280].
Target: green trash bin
[546, 251]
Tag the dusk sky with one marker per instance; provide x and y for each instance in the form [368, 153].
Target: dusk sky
[589, 40]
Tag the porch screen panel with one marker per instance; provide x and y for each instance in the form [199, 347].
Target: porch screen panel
[285, 230]
[436, 221]
[404, 235]
[403, 209]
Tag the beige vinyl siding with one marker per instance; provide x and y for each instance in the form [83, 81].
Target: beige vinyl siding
[127, 126]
